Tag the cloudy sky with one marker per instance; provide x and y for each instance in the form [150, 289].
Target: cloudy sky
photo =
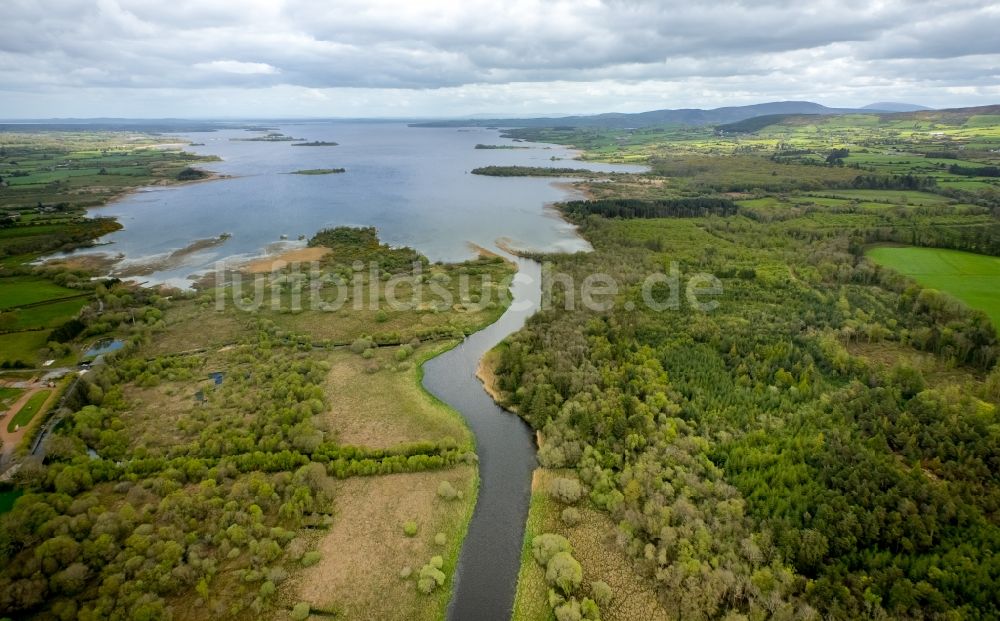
[259, 58]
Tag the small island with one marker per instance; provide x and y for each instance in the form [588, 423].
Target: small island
[536, 171]
[315, 143]
[499, 146]
[271, 137]
[319, 171]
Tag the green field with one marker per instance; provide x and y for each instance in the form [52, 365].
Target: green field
[22, 346]
[44, 315]
[21, 290]
[892, 196]
[972, 278]
[26, 413]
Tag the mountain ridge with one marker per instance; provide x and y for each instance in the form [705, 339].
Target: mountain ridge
[679, 116]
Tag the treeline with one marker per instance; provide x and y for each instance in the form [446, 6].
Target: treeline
[43, 239]
[192, 174]
[908, 181]
[981, 239]
[655, 208]
[531, 171]
[974, 171]
[942, 155]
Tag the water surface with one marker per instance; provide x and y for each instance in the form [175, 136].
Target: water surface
[413, 184]
[486, 575]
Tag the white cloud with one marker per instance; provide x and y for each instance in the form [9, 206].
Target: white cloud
[237, 67]
[445, 57]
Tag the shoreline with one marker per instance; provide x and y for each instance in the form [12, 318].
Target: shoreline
[117, 264]
[486, 375]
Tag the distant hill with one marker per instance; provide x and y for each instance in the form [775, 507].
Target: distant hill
[950, 116]
[757, 123]
[894, 106]
[109, 124]
[684, 116]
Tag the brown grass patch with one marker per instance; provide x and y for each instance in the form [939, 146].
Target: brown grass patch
[593, 541]
[266, 265]
[485, 373]
[155, 414]
[190, 327]
[937, 373]
[99, 263]
[386, 407]
[365, 549]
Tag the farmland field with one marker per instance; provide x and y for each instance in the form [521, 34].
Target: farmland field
[21, 290]
[972, 278]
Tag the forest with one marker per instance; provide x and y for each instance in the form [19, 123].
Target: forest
[661, 208]
[824, 444]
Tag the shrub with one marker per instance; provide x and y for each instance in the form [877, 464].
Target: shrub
[551, 456]
[410, 528]
[590, 610]
[568, 611]
[571, 516]
[447, 491]
[381, 316]
[405, 572]
[426, 585]
[361, 344]
[300, 612]
[565, 490]
[602, 592]
[404, 352]
[440, 539]
[564, 571]
[296, 548]
[431, 576]
[310, 558]
[267, 589]
[277, 575]
[544, 547]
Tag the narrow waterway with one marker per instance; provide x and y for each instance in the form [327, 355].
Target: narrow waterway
[486, 576]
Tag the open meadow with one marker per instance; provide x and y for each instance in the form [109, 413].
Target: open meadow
[972, 278]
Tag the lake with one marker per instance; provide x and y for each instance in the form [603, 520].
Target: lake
[413, 184]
